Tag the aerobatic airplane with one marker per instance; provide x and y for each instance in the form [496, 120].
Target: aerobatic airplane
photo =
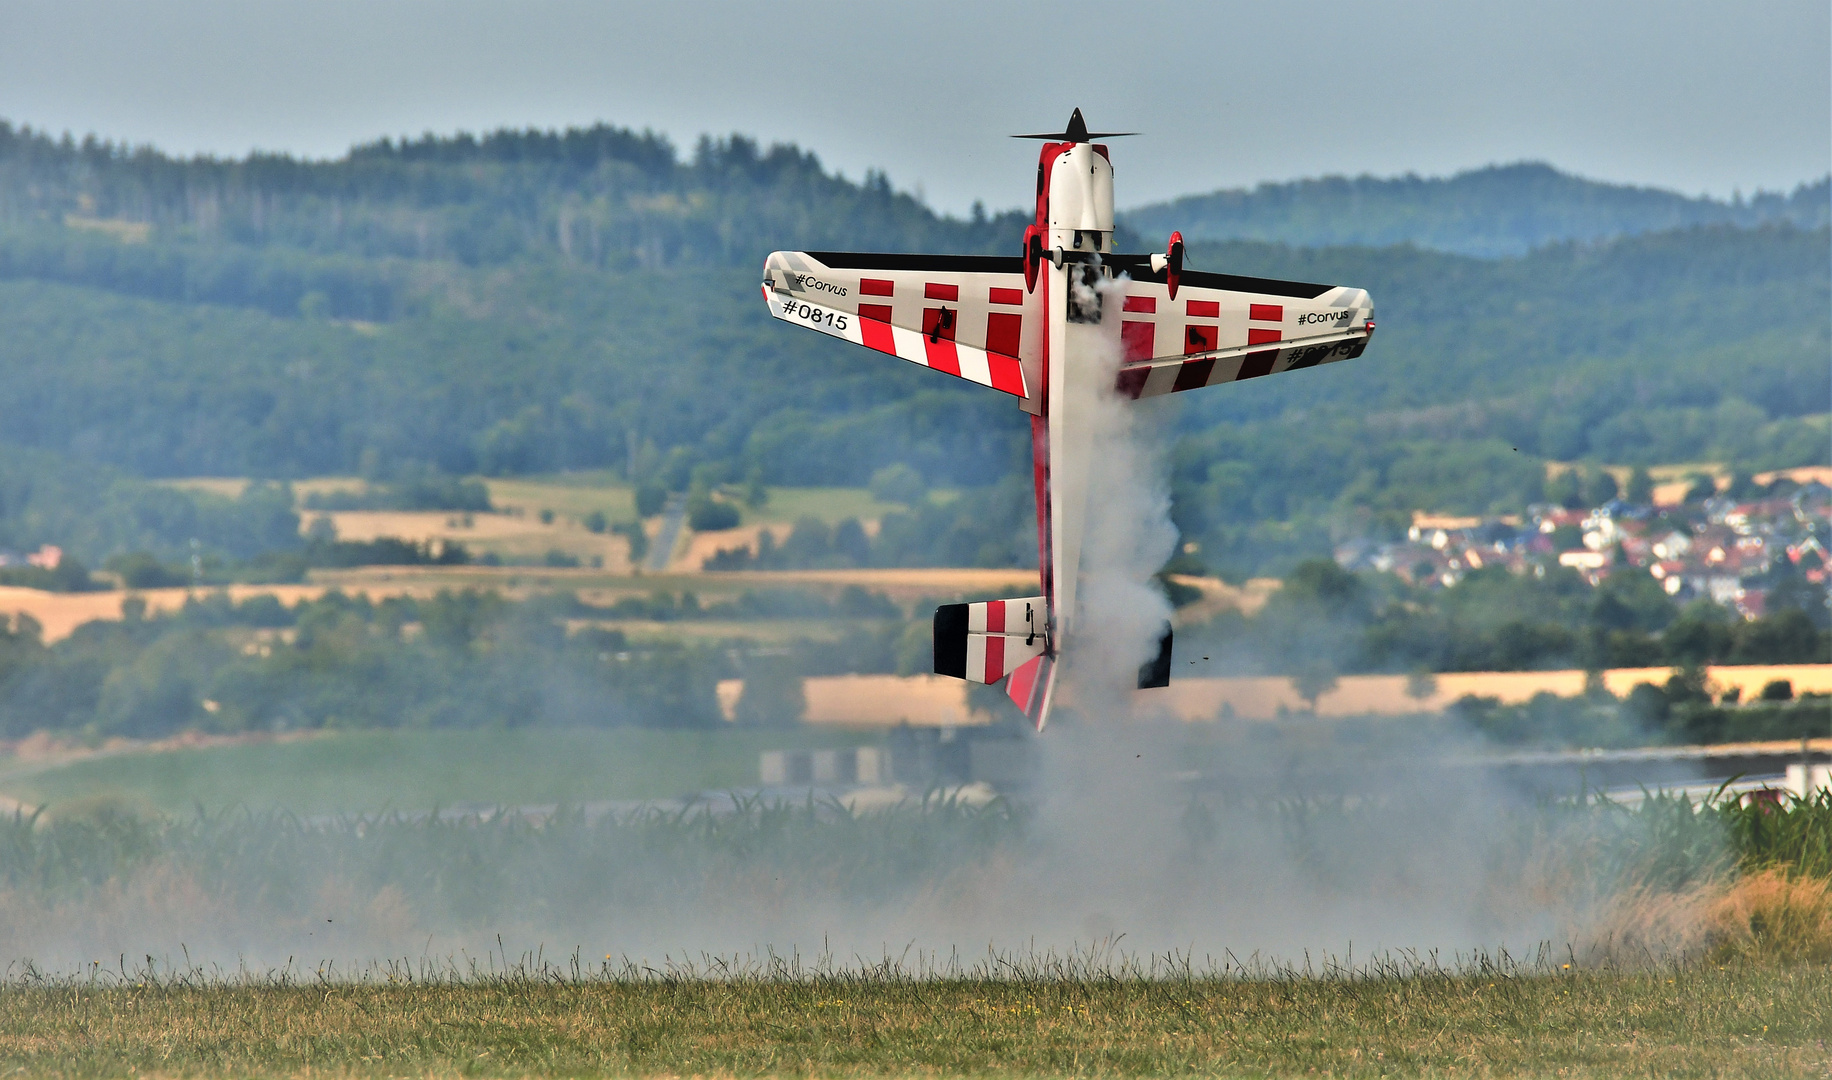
[1047, 327]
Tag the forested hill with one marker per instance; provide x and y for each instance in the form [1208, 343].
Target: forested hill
[527, 302]
[343, 236]
[1498, 210]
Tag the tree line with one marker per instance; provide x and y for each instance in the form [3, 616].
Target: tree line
[1328, 619]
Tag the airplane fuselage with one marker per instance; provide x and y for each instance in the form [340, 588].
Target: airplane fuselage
[1070, 328]
[1075, 218]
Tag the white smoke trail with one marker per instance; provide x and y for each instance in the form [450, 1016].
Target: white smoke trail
[1129, 535]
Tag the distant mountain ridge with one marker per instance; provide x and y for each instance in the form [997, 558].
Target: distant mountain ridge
[1488, 212]
[528, 302]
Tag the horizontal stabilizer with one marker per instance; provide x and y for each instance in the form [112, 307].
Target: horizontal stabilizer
[984, 642]
[1155, 672]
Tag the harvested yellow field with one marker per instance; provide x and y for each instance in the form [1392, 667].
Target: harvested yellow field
[1806, 474]
[1671, 482]
[1262, 698]
[694, 549]
[515, 532]
[1219, 596]
[904, 585]
[875, 701]
[933, 701]
[777, 632]
[59, 614]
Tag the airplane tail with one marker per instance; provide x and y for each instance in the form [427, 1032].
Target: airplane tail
[985, 642]
[1155, 672]
[1032, 687]
[989, 641]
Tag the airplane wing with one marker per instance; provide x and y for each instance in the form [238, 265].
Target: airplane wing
[1223, 328]
[962, 314]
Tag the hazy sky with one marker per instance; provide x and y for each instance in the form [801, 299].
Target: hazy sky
[1694, 96]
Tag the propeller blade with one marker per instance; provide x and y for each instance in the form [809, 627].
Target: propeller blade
[1076, 132]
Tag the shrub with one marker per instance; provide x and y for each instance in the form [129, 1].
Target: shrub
[650, 498]
[773, 695]
[1772, 915]
[142, 570]
[898, 484]
[639, 540]
[710, 515]
[1778, 690]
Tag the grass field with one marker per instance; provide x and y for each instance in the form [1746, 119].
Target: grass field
[1703, 1021]
[516, 532]
[578, 494]
[1750, 997]
[830, 505]
[372, 771]
[573, 495]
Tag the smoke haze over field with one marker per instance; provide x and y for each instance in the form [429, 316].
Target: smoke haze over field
[1114, 849]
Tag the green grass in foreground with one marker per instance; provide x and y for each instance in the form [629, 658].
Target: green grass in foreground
[369, 771]
[1754, 1021]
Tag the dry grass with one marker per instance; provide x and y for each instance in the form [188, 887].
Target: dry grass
[1735, 1021]
[1772, 915]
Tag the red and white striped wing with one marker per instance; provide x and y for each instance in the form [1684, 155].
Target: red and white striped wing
[962, 314]
[1211, 334]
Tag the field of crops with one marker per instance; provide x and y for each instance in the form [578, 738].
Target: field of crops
[540, 514]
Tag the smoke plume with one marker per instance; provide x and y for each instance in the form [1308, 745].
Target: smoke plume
[1129, 535]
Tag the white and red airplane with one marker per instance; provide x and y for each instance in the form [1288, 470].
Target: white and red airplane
[1046, 327]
